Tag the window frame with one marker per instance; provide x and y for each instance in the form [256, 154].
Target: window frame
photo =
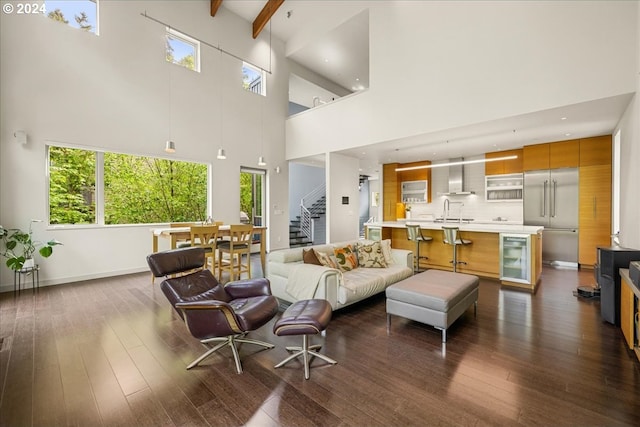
[99, 184]
[183, 38]
[263, 79]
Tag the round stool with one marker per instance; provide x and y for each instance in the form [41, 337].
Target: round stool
[414, 233]
[305, 317]
[451, 238]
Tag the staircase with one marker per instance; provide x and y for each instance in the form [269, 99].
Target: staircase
[297, 237]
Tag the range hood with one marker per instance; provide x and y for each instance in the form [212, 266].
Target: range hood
[456, 179]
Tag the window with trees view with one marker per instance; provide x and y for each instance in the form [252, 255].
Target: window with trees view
[94, 187]
[182, 50]
[82, 14]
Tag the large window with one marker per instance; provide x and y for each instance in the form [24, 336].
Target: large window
[252, 196]
[94, 187]
[182, 50]
[82, 14]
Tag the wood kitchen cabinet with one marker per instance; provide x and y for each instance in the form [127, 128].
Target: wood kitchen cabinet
[594, 212]
[390, 191]
[564, 154]
[502, 167]
[595, 151]
[552, 155]
[535, 157]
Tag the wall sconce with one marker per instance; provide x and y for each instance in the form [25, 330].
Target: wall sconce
[277, 169]
[170, 147]
[261, 161]
[221, 154]
[20, 136]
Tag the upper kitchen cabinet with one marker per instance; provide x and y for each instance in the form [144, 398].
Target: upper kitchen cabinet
[553, 155]
[595, 151]
[501, 167]
[565, 154]
[390, 191]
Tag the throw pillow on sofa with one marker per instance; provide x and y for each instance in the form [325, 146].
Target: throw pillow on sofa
[346, 258]
[386, 251]
[309, 257]
[325, 259]
[371, 255]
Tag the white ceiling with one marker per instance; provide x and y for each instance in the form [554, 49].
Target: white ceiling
[331, 39]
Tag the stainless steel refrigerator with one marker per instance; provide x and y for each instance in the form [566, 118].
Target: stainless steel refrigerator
[551, 200]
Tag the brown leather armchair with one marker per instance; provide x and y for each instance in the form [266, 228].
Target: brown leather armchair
[212, 312]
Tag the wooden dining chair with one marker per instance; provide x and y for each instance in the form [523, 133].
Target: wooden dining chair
[230, 252]
[206, 236]
[182, 243]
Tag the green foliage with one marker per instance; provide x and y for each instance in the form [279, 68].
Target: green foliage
[188, 62]
[246, 194]
[83, 21]
[57, 15]
[146, 190]
[137, 190]
[72, 180]
[18, 246]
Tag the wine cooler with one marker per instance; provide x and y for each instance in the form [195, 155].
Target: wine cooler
[515, 258]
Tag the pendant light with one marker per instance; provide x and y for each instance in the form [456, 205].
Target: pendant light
[221, 154]
[261, 161]
[170, 146]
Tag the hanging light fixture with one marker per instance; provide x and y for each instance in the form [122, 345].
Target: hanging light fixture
[170, 146]
[221, 154]
[261, 161]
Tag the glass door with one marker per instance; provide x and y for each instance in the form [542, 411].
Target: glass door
[515, 258]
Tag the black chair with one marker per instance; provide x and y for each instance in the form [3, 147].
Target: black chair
[212, 312]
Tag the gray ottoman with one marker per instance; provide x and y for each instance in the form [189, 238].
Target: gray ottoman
[433, 297]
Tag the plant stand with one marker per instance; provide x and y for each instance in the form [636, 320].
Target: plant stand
[18, 278]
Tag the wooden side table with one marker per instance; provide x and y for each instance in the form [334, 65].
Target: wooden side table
[18, 278]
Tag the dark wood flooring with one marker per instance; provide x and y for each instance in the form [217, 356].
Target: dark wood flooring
[112, 352]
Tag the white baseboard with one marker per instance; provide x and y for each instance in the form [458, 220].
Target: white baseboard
[6, 287]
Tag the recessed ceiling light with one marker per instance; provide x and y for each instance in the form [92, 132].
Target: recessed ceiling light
[567, 134]
[357, 79]
[563, 118]
[326, 60]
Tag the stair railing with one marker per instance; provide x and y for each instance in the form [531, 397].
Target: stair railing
[306, 220]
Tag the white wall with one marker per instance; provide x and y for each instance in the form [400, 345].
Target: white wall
[113, 92]
[303, 179]
[442, 65]
[342, 181]
[629, 127]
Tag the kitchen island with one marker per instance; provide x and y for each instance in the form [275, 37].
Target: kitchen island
[482, 256]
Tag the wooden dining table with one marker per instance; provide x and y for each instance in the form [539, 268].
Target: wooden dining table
[176, 234]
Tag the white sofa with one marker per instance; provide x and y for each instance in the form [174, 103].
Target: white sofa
[340, 288]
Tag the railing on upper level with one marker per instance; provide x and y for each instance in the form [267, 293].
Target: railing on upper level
[306, 215]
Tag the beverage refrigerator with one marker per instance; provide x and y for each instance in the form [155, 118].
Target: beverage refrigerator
[515, 257]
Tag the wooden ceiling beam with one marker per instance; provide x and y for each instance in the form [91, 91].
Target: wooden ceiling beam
[215, 5]
[265, 14]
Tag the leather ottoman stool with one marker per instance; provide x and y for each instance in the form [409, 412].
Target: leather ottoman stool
[304, 317]
[434, 297]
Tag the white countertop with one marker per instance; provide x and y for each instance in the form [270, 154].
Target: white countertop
[487, 227]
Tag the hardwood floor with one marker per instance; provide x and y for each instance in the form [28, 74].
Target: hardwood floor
[113, 352]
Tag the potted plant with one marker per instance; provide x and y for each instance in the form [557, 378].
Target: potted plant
[19, 247]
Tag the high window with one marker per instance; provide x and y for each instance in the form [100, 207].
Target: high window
[253, 79]
[95, 187]
[82, 14]
[183, 50]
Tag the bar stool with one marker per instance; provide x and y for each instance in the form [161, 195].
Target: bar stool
[451, 238]
[414, 233]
